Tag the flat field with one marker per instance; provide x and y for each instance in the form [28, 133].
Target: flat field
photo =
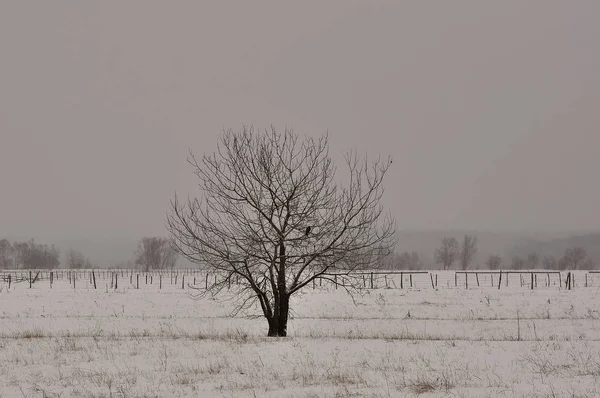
[386, 342]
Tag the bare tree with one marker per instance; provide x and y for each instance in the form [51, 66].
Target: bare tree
[29, 254]
[76, 260]
[493, 262]
[6, 254]
[447, 253]
[573, 258]
[468, 251]
[409, 261]
[518, 263]
[156, 253]
[273, 215]
[549, 262]
[588, 264]
[533, 260]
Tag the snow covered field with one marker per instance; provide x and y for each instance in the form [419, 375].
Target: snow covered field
[452, 342]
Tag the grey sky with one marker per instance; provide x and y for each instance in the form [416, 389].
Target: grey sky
[490, 109]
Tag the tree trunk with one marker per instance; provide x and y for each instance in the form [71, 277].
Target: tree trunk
[278, 322]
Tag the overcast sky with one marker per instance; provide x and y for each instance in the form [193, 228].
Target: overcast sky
[491, 110]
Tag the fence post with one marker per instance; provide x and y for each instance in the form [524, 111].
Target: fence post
[559, 280]
[30, 280]
[401, 280]
[94, 278]
[116, 280]
[432, 284]
[137, 278]
[477, 278]
[455, 279]
[371, 280]
[532, 281]
[500, 280]
[183, 281]
[410, 279]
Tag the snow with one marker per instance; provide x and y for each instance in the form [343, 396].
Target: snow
[451, 341]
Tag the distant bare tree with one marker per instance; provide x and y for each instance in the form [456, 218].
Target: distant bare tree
[518, 263]
[533, 260]
[155, 253]
[549, 262]
[76, 260]
[447, 253]
[409, 261]
[32, 255]
[493, 262]
[6, 254]
[468, 251]
[573, 258]
[588, 264]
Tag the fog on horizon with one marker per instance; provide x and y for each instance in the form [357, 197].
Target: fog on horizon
[489, 110]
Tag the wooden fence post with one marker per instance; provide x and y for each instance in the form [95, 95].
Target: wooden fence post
[559, 280]
[500, 280]
[94, 278]
[401, 280]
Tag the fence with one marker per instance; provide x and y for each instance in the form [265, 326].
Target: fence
[198, 278]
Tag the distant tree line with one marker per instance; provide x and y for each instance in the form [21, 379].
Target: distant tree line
[455, 254]
[152, 253]
[28, 254]
[156, 253]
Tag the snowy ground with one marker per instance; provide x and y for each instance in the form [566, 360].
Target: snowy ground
[452, 342]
